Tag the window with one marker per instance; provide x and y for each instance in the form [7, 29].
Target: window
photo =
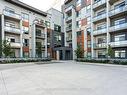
[38, 32]
[120, 38]
[12, 40]
[25, 16]
[78, 24]
[57, 28]
[78, 13]
[101, 40]
[88, 8]
[26, 42]
[25, 29]
[101, 54]
[47, 24]
[88, 20]
[89, 44]
[120, 53]
[97, 1]
[78, 3]
[88, 31]
[10, 10]
[119, 5]
[101, 12]
[10, 24]
[79, 33]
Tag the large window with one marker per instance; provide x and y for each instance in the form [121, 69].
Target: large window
[57, 28]
[120, 54]
[26, 42]
[119, 5]
[25, 16]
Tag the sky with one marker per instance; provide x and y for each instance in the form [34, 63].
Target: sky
[44, 5]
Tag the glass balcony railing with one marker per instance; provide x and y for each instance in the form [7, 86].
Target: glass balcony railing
[12, 29]
[15, 44]
[99, 3]
[42, 35]
[118, 10]
[118, 27]
[99, 17]
[68, 18]
[11, 14]
[101, 45]
[69, 39]
[119, 43]
[69, 28]
[100, 31]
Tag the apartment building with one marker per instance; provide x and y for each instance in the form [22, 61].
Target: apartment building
[56, 45]
[77, 25]
[109, 27]
[96, 24]
[25, 27]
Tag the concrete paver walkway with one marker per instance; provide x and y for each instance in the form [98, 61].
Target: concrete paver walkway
[64, 78]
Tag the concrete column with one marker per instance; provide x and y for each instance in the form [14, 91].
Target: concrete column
[92, 38]
[108, 24]
[74, 36]
[2, 25]
[85, 43]
[58, 55]
[46, 51]
[33, 30]
[21, 39]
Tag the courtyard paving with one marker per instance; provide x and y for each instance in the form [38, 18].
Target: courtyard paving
[63, 78]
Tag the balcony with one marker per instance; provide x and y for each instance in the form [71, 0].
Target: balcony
[100, 31]
[69, 39]
[12, 30]
[99, 17]
[69, 18]
[69, 28]
[118, 27]
[12, 15]
[99, 4]
[100, 46]
[15, 44]
[41, 36]
[119, 44]
[118, 10]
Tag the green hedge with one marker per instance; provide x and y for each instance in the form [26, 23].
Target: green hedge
[120, 62]
[24, 61]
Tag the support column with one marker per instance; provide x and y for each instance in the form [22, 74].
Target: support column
[74, 36]
[21, 40]
[92, 38]
[33, 43]
[108, 24]
[2, 25]
[46, 50]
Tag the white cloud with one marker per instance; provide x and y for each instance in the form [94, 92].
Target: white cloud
[44, 5]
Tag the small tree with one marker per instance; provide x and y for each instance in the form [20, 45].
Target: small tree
[6, 48]
[39, 50]
[110, 52]
[79, 52]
